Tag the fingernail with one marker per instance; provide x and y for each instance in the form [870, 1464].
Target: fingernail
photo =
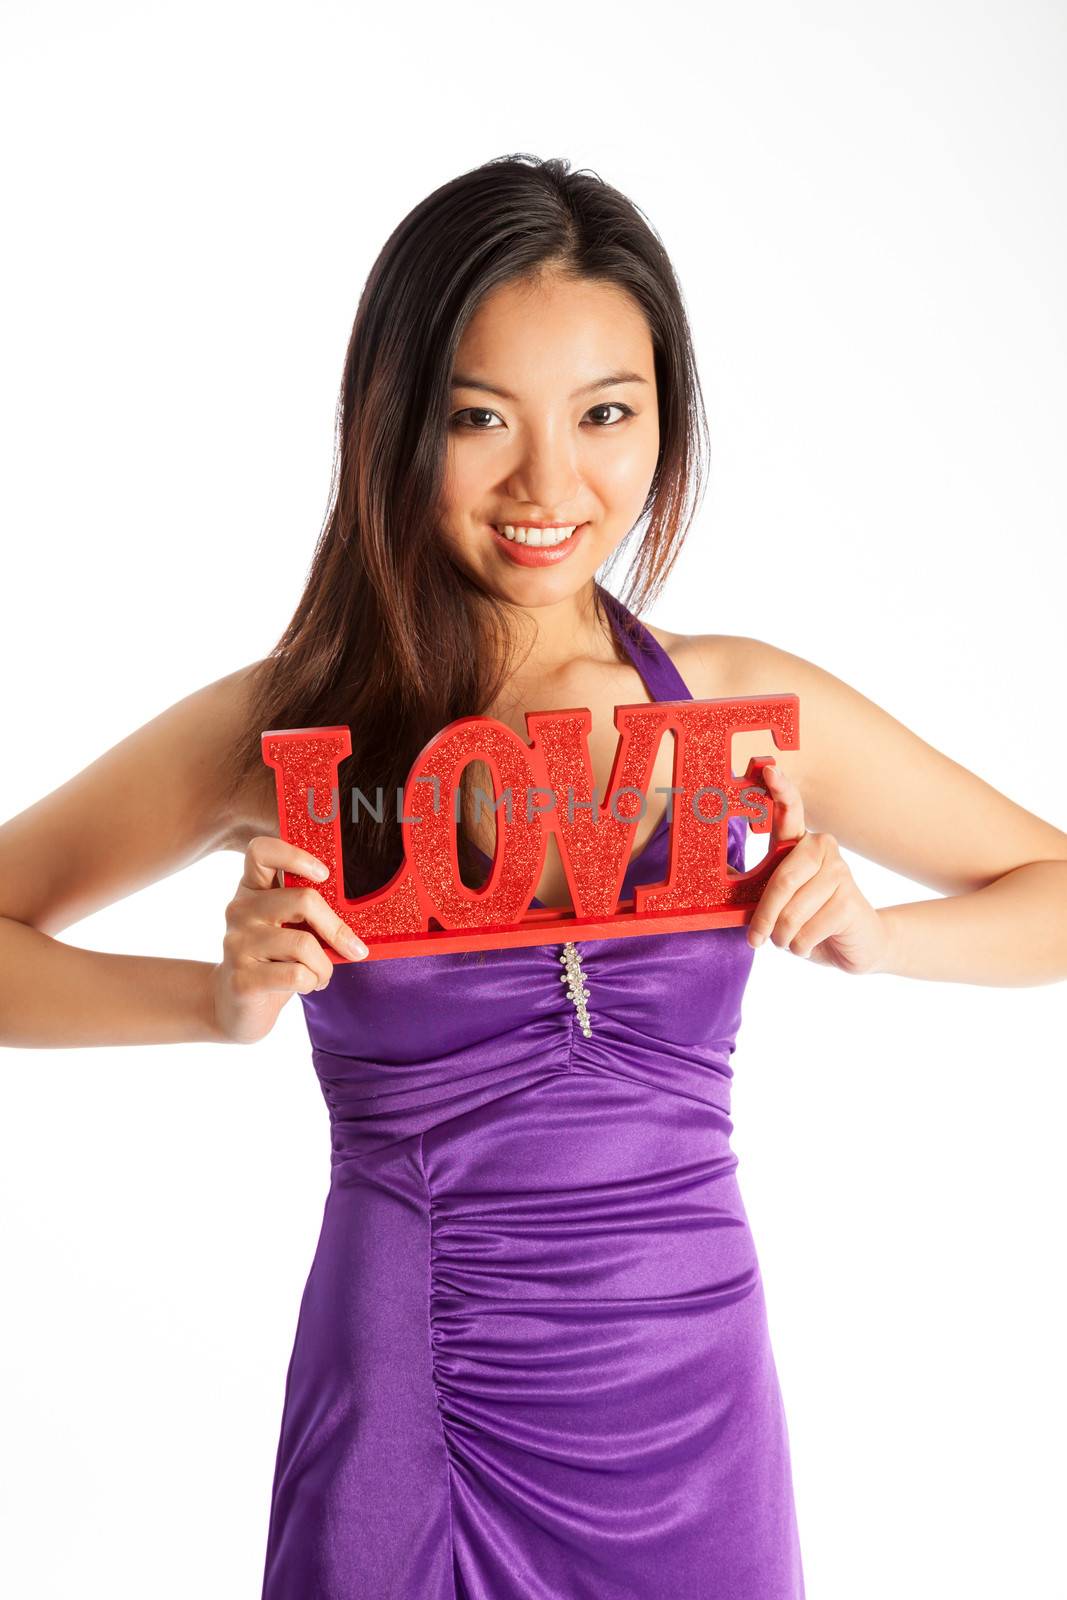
[354, 946]
[319, 871]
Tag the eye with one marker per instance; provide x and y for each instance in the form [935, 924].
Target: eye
[612, 405]
[457, 421]
[472, 411]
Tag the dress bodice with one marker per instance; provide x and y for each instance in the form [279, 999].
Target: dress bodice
[399, 1043]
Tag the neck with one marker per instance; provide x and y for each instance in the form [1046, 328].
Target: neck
[553, 637]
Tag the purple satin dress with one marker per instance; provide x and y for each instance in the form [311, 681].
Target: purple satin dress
[532, 1358]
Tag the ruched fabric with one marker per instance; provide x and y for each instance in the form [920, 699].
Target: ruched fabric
[532, 1357]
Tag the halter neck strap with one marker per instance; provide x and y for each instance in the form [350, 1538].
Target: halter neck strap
[659, 673]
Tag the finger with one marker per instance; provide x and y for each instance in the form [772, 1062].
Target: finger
[799, 867]
[294, 944]
[307, 905]
[277, 977]
[788, 819]
[828, 920]
[806, 903]
[267, 854]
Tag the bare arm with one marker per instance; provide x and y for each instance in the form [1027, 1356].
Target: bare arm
[55, 994]
[873, 786]
[146, 808]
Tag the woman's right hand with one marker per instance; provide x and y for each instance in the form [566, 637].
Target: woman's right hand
[263, 963]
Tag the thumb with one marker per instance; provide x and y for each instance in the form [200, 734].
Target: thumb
[787, 823]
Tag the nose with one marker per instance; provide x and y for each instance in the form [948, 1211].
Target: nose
[545, 474]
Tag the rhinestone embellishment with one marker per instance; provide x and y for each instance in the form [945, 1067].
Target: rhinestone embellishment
[575, 981]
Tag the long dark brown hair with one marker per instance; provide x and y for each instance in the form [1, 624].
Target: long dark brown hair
[391, 637]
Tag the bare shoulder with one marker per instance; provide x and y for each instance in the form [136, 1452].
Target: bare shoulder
[212, 721]
[252, 808]
[708, 662]
[855, 759]
[158, 800]
[719, 666]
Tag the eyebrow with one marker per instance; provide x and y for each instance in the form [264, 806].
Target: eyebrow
[463, 381]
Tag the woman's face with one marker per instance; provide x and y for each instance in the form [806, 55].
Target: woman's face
[574, 440]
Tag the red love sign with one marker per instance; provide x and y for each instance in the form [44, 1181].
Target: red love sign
[594, 841]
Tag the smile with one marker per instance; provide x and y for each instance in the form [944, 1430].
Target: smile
[536, 547]
[538, 537]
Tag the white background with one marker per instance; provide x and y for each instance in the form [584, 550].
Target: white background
[865, 205]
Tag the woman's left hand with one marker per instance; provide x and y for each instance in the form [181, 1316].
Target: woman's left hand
[811, 905]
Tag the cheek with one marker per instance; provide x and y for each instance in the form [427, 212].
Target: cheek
[447, 497]
[454, 509]
[624, 475]
[462, 487]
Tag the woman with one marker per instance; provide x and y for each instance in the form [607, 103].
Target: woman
[532, 1355]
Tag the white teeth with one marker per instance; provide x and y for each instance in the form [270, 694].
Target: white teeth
[536, 536]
